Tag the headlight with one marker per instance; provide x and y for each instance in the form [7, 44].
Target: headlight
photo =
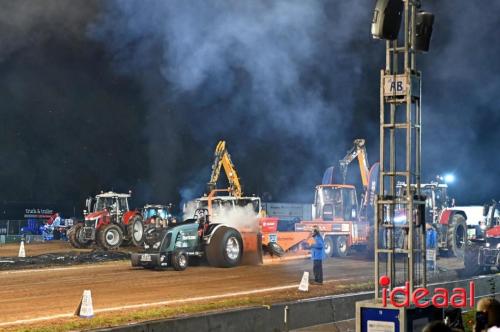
[162, 258]
[498, 246]
[487, 245]
[146, 246]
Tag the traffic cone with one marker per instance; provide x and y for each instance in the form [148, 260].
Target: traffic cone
[304, 283]
[22, 252]
[85, 308]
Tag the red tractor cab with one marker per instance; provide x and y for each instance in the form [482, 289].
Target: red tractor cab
[109, 222]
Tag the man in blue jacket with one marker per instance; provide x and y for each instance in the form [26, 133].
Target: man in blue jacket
[317, 255]
[431, 244]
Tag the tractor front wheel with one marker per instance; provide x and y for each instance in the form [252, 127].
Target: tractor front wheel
[76, 238]
[110, 236]
[225, 248]
[179, 260]
[135, 230]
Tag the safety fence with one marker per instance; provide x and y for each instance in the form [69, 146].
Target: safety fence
[10, 232]
[4, 239]
[12, 227]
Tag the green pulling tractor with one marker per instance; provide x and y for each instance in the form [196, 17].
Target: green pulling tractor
[174, 246]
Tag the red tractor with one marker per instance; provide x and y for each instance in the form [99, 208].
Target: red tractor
[109, 222]
[482, 253]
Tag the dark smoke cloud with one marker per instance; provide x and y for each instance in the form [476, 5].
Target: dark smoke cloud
[298, 81]
[277, 80]
[461, 86]
[135, 95]
[28, 24]
[63, 134]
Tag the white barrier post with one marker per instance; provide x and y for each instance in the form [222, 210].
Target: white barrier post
[304, 283]
[85, 309]
[22, 252]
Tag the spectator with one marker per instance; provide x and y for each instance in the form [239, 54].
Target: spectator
[487, 315]
[453, 318]
[57, 220]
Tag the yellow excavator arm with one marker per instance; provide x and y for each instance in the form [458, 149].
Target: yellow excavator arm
[357, 151]
[223, 159]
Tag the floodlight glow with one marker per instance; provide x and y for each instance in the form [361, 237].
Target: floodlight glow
[449, 178]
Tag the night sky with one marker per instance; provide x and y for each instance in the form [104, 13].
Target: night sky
[101, 95]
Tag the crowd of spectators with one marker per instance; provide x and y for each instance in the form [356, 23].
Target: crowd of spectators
[487, 319]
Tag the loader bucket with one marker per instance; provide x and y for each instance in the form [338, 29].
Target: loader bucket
[252, 248]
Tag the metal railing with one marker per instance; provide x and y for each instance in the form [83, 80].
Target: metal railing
[10, 232]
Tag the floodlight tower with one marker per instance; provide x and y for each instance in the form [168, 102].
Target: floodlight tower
[399, 225]
[400, 157]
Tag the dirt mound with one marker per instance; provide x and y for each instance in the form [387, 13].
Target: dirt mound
[62, 258]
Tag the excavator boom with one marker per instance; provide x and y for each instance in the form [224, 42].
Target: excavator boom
[357, 151]
[222, 159]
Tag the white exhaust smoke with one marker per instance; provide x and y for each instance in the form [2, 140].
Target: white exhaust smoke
[242, 218]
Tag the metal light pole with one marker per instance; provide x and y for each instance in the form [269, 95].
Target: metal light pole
[399, 225]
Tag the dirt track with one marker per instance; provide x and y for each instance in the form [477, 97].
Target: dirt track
[37, 248]
[28, 294]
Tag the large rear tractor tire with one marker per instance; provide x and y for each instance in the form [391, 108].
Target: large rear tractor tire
[471, 260]
[75, 237]
[328, 246]
[225, 248]
[110, 237]
[179, 260]
[340, 247]
[457, 236]
[135, 230]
